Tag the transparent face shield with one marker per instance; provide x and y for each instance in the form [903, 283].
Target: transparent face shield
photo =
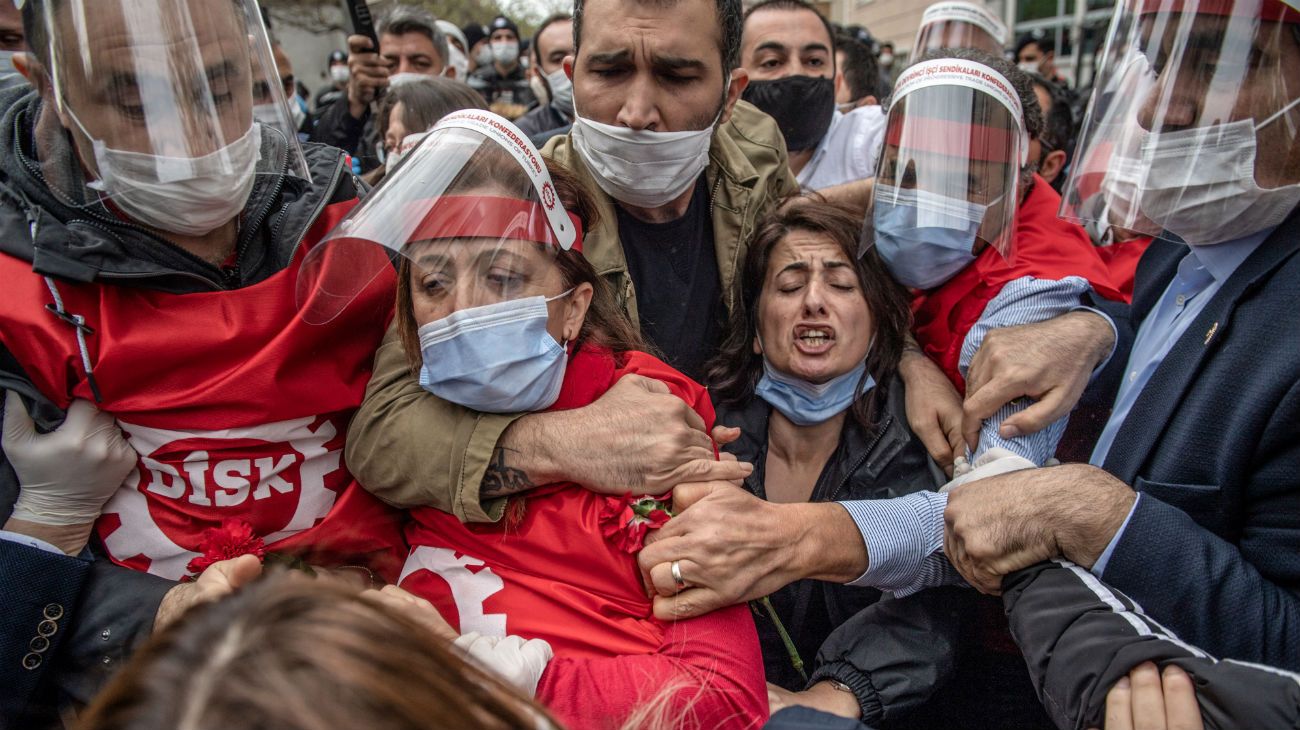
[159, 97]
[1193, 132]
[954, 147]
[470, 219]
[960, 25]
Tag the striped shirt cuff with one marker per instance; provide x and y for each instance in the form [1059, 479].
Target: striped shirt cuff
[900, 534]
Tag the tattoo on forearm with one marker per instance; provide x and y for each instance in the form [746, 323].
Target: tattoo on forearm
[503, 480]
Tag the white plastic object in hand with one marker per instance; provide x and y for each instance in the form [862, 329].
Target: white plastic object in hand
[67, 475]
[513, 659]
[993, 462]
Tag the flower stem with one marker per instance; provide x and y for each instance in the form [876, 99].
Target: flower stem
[795, 660]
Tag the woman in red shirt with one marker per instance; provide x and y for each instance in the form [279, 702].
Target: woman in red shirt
[499, 312]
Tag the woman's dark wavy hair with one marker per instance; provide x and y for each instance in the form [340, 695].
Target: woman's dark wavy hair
[734, 373]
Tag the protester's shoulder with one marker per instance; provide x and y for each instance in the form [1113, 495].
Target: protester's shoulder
[649, 366]
[559, 149]
[751, 129]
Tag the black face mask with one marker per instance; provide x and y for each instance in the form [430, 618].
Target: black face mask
[801, 105]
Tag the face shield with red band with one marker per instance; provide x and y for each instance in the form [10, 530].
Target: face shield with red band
[946, 186]
[960, 25]
[159, 99]
[473, 223]
[1193, 134]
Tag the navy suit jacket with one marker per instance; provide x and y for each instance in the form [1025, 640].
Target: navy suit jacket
[41, 590]
[1213, 444]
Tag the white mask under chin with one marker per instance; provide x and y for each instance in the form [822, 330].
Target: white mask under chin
[639, 167]
[190, 196]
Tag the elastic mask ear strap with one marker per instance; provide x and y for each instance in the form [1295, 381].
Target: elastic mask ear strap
[1278, 114]
[506, 135]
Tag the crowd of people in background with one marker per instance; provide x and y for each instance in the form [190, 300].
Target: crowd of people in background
[683, 364]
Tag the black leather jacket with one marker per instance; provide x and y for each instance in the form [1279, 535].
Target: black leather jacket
[887, 461]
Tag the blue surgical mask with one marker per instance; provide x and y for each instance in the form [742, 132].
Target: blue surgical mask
[497, 358]
[925, 239]
[805, 403]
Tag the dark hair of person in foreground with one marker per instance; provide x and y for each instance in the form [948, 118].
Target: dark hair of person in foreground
[292, 653]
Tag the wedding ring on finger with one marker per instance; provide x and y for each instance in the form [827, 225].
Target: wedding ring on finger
[677, 575]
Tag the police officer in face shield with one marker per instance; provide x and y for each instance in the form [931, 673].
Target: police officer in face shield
[1196, 523]
[150, 225]
[788, 50]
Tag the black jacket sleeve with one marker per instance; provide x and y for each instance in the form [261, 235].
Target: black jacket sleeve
[40, 589]
[806, 718]
[896, 654]
[1080, 636]
[118, 606]
[337, 128]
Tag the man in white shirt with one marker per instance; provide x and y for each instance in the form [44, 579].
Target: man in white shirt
[788, 48]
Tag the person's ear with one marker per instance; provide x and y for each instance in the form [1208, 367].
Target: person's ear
[739, 80]
[567, 65]
[575, 310]
[758, 343]
[1052, 165]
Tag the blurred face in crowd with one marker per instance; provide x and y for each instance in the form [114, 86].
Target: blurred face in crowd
[261, 93]
[11, 30]
[151, 95]
[786, 42]
[843, 94]
[813, 320]
[1032, 54]
[1050, 162]
[397, 130]
[653, 66]
[1197, 90]
[554, 44]
[504, 35]
[411, 53]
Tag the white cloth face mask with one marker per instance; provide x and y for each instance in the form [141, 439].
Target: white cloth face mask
[190, 196]
[1199, 183]
[457, 60]
[639, 167]
[561, 91]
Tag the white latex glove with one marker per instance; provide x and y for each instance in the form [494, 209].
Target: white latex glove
[67, 475]
[511, 658]
[993, 462]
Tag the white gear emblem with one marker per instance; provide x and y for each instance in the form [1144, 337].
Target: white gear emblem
[140, 535]
[469, 589]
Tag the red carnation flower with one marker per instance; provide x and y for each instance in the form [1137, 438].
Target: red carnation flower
[625, 521]
[232, 539]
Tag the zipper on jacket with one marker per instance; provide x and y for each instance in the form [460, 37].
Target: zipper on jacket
[880, 433]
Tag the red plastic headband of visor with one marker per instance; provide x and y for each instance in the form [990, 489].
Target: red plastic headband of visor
[955, 139]
[1274, 11]
[459, 216]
